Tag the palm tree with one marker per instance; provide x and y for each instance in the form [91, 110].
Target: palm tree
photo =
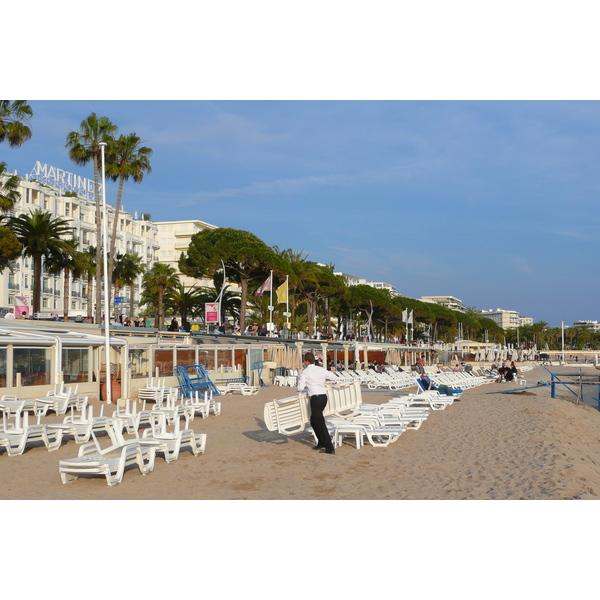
[156, 281]
[12, 122]
[42, 236]
[131, 266]
[84, 145]
[87, 259]
[70, 264]
[184, 301]
[125, 159]
[8, 189]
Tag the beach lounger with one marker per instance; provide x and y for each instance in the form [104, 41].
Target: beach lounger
[15, 437]
[169, 443]
[81, 426]
[109, 462]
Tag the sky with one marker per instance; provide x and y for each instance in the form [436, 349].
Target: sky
[443, 148]
[493, 202]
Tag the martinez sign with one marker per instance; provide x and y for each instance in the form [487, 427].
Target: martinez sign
[64, 180]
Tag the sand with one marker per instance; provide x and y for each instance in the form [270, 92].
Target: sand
[486, 447]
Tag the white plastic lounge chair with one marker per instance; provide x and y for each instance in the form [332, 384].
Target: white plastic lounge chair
[110, 462]
[200, 403]
[81, 426]
[15, 437]
[169, 443]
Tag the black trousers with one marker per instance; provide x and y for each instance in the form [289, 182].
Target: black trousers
[317, 420]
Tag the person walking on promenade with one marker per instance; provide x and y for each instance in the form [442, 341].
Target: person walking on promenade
[313, 378]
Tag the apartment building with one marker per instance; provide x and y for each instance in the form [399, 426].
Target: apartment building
[507, 319]
[378, 285]
[65, 195]
[174, 238]
[448, 301]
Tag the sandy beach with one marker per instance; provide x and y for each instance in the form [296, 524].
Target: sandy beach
[488, 446]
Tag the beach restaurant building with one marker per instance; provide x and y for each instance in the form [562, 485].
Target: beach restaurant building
[36, 357]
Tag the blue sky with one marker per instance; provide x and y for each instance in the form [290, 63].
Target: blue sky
[494, 202]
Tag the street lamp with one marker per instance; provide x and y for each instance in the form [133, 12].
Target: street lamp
[106, 281]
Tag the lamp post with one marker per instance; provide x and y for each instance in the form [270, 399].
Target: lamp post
[106, 281]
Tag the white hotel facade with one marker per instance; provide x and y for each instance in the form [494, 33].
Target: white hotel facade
[46, 188]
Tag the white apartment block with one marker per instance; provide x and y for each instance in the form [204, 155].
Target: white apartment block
[378, 285]
[591, 325]
[46, 188]
[507, 319]
[174, 238]
[447, 301]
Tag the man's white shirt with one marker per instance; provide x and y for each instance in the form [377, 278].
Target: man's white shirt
[313, 378]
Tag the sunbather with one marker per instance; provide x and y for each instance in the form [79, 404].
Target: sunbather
[427, 384]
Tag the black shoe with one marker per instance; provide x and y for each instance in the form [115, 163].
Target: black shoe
[318, 447]
[329, 451]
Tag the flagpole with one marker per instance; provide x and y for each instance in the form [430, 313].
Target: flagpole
[220, 297]
[271, 306]
[287, 300]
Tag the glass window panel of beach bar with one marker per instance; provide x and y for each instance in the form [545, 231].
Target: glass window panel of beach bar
[33, 364]
[185, 357]
[75, 365]
[3, 355]
[207, 358]
[138, 363]
[163, 360]
[224, 358]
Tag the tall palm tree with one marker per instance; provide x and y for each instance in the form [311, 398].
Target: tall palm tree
[69, 264]
[84, 146]
[126, 159]
[132, 266]
[42, 236]
[87, 258]
[12, 122]
[156, 281]
[116, 278]
[9, 184]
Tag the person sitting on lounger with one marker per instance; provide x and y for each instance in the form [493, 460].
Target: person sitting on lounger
[427, 384]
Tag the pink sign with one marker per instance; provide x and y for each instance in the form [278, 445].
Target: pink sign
[211, 312]
[21, 306]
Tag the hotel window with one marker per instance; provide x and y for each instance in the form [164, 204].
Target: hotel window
[67, 209]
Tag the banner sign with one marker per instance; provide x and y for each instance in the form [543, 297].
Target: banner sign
[211, 312]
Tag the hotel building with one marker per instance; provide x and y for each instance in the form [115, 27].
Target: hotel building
[71, 197]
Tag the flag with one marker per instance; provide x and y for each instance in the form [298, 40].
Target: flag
[410, 318]
[405, 315]
[282, 292]
[265, 287]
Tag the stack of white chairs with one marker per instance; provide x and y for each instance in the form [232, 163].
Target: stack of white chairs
[155, 390]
